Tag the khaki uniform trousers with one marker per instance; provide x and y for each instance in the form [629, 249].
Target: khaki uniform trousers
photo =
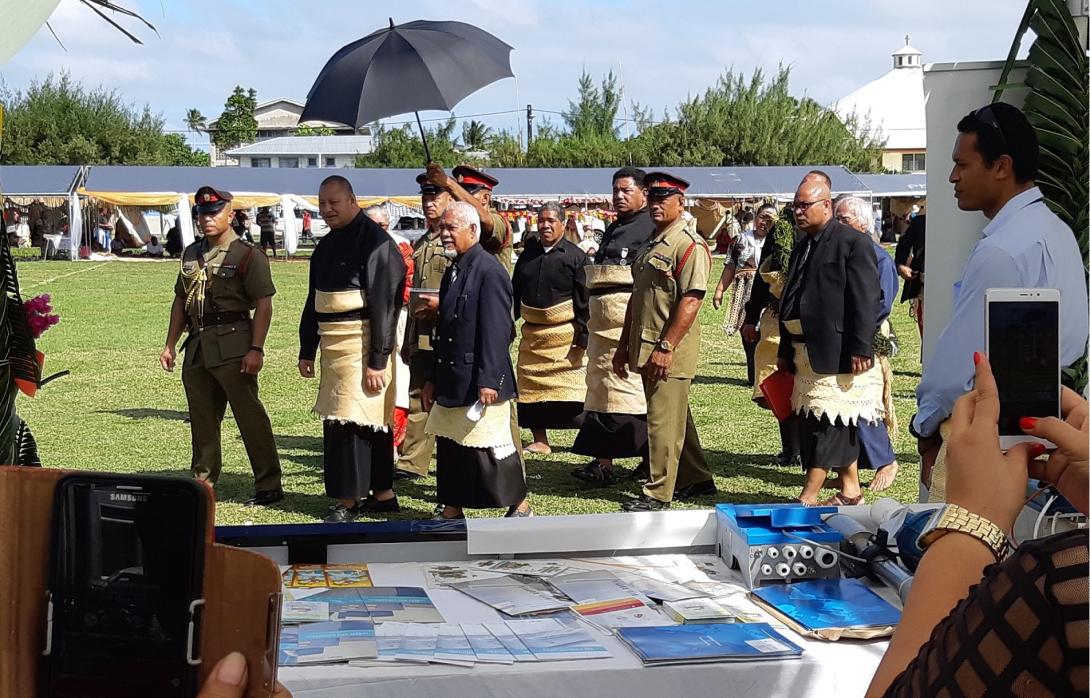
[417, 447]
[209, 391]
[677, 460]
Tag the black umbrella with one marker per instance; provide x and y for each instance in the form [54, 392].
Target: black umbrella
[406, 68]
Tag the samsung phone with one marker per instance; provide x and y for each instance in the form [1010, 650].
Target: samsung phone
[125, 587]
[1023, 346]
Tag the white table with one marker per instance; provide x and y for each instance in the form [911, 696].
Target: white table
[839, 669]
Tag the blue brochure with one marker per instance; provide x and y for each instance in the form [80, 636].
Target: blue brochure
[711, 642]
[830, 604]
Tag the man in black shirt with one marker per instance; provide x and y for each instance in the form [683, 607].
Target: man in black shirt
[909, 261]
[615, 413]
[357, 278]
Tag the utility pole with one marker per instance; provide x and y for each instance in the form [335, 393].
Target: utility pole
[529, 125]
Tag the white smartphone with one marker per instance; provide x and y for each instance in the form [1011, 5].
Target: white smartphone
[1023, 347]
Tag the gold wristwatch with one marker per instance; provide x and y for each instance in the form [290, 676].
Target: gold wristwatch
[951, 517]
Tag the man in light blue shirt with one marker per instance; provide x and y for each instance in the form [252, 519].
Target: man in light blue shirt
[1024, 245]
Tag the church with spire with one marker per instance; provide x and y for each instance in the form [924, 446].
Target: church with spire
[893, 106]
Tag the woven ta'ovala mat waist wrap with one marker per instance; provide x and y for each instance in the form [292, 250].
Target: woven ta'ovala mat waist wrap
[849, 397]
[546, 371]
[610, 288]
[343, 344]
[492, 430]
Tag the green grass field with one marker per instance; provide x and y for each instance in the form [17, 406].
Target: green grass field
[119, 411]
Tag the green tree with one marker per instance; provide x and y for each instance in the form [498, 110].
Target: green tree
[754, 122]
[401, 147]
[59, 122]
[308, 130]
[475, 135]
[595, 111]
[237, 124]
[195, 121]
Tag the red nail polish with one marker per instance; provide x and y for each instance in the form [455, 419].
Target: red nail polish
[1036, 451]
[1028, 424]
[977, 357]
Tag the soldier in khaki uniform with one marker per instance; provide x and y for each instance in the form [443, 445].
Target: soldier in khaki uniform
[221, 280]
[475, 188]
[661, 340]
[429, 264]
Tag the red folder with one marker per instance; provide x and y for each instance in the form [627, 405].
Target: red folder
[777, 391]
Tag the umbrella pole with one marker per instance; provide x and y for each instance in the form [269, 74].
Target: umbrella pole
[424, 138]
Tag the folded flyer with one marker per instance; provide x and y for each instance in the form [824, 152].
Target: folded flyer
[442, 576]
[304, 611]
[486, 647]
[317, 643]
[452, 647]
[510, 596]
[510, 641]
[713, 642]
[531, 568]
[591, 587]
[417, 643]
[551, 640]
[629, 612]
[378, 604]
[697, 611]
[658, 590]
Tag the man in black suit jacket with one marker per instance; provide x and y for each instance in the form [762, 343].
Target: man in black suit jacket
[829, 314]
[472, 382]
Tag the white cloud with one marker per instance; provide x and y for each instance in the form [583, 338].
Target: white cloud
[206, 47]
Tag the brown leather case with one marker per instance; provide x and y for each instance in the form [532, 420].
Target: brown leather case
[241, 591]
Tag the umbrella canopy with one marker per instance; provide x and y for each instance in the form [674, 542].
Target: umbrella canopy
[406, 68]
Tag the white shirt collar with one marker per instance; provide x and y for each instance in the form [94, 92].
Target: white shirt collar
[1015, 204]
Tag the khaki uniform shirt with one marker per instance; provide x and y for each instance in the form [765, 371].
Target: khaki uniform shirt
[671, 264]
[500, 244]
[429, 265]
[231, 277]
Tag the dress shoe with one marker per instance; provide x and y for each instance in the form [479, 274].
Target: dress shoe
[595, 474]
[515, 513]
[644, 503]
[370, 505]
[697, 489]
[263, 498]
[440, 517]
[400, 474]
[785, 460]
[342, 514]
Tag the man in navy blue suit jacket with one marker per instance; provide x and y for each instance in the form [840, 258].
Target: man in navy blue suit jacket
[472, 382]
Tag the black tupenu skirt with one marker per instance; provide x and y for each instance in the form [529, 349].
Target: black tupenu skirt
[356, 460]
[823, 444]
[605, 435]
[474, 478]
[550, 415]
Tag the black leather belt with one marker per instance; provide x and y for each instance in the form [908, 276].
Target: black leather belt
[606, 290]
[223, 318]
[801, 338]
[346, 316]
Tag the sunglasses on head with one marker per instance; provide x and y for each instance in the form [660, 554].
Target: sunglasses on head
[986, 117]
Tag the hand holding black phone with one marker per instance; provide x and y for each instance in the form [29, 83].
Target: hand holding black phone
[125, 588]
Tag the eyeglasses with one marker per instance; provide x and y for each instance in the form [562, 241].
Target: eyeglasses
[986, 117]
[804, 206]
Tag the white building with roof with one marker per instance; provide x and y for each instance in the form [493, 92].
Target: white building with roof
[303, 151]
[894, 105]
[275, 119]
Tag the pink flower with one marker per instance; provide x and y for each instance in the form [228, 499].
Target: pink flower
[39, 314]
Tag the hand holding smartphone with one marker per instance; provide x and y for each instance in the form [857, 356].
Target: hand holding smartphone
[126, 587]
[1023, 345]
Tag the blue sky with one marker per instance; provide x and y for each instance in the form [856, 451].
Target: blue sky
[665, 50]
